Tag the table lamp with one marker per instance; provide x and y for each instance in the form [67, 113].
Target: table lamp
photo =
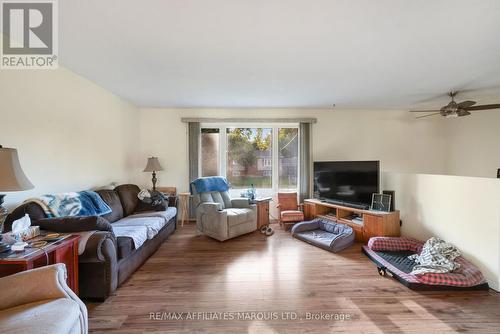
[153, 166]
[12, 178]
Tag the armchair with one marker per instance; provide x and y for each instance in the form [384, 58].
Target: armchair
[217, 215]
[289, 210]
[40, 301]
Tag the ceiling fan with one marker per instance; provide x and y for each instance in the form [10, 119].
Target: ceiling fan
[454, 109]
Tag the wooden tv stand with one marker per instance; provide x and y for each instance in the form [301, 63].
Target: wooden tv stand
[374, 223]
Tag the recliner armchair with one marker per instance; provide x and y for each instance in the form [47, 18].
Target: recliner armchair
[220, 217]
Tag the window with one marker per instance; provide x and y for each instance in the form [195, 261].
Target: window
[266, 157]
[210, 141]
[288, 157]
[249, 154]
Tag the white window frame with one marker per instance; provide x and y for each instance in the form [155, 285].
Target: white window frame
[274, 147]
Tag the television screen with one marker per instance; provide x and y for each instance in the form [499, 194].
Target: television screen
[346, 182]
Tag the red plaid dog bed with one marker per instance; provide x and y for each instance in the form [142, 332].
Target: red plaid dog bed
[390, 254]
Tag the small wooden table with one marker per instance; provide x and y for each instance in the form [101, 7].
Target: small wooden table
[262, 211]
[62, 251]
[184, 207]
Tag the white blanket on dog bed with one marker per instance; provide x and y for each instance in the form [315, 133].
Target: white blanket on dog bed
[437, 256]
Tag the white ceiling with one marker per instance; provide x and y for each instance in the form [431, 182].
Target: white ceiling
[284, 53]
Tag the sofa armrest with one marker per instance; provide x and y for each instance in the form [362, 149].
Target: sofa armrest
[35, 285]
[211, 220]
[98, 266]
[172, 201]
[33, 210]
[305, 226]
[208, 207]
[278, 210]
[74, 224]
[240, 202]
[100, 247]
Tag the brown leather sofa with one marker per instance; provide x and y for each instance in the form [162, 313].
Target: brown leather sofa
[108, 260]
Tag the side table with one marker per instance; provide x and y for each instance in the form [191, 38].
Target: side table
[262, 211]
[184, 207]
[62, 251]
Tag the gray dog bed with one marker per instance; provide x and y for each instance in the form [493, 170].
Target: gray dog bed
[325, 234]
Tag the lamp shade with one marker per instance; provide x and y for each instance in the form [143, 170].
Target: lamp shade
[153, 165]
[12, 177]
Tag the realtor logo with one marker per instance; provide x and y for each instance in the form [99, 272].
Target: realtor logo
[29, 39]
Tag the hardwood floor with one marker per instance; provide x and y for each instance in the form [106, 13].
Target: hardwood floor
[279, 274]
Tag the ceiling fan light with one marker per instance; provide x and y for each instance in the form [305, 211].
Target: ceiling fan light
[461, 109]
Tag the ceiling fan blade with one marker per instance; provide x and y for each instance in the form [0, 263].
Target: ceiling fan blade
[484, 107]
[424, 110]
[466, 104]
[436, 113]
[463, 112]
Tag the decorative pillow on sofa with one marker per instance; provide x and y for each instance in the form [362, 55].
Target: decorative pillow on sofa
[151, 201]
[141, 207]
[128, 197]
[113, 201]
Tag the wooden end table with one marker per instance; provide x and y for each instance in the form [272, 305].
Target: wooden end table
[62, 251]
[262, 211]
[184, 207]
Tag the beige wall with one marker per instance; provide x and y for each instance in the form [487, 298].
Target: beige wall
[394, 137]
[70, 133]
[460, 210]
[474, 144]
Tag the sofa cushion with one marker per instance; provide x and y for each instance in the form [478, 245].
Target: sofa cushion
[113, 201]
[317, 237]
[139, 234]
[125, 247]
[238, 216]
[215, 197]
[42, 317]
[292, 216]
[128, 197]
[167, 214]
[227, 200]
[152, 224]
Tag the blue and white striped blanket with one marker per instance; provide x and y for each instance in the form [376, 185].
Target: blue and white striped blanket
[83, 203]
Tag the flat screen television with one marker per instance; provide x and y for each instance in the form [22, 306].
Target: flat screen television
[349, 183]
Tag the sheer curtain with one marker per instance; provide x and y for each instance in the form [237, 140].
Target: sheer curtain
[305, 160]
[194, 151]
